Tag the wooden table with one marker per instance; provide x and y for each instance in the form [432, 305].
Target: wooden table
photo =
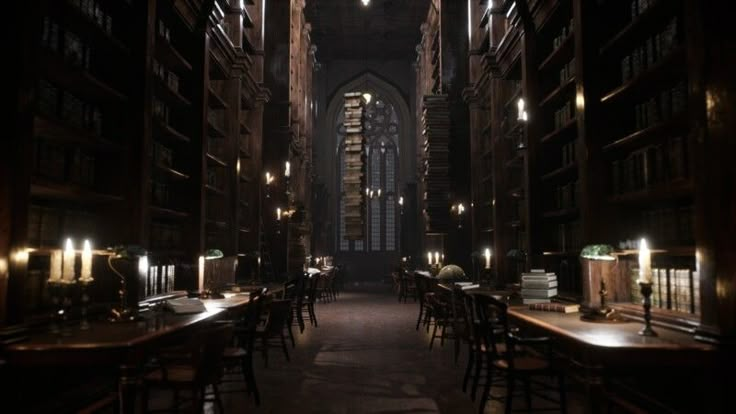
[600, 351]
[126, 345]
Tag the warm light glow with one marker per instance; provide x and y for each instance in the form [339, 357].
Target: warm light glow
[67, 270]
[429, 258]
[200, 273]
[379, 192]
[269, 178]
[3, 267]
[237, 166]
[579, 102]
[487, 255]
[645, 262]
[367, 96]
[437, 257]
[401, 201]
[460, 208]
[521, 105]
[85, 275]
[365, 2]
[367, 191]
[21, 256]
[287, 169]
[278, 213]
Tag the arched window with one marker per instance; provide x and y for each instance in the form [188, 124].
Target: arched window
[381, 129]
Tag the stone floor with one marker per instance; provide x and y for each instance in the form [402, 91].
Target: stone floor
[365, 357]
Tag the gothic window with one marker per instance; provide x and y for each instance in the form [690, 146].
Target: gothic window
[381, 130]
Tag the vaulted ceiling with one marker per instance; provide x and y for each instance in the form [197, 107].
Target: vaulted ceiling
[383, 30]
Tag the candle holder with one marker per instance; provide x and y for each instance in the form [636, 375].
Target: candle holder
[56, 313]
[84, 301]
[646, 292]
[65, 307]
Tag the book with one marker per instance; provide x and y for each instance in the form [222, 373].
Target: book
[555, 307]
[185, 305]
[538, 293]
[529, 301]
[538, 277]
[538, 284]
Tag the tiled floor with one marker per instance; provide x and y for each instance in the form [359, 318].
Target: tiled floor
[365, 357]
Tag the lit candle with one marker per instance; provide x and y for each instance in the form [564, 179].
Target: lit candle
[429, 258]
[200, 278]
[143, 273]
[85, 275]
[437, 258]
[645, 262]
[269, 178]
[55, 269]
[401, 201]
[67, 272]
[287, 169]
[278, 214]
[487, 255]
[520, 106]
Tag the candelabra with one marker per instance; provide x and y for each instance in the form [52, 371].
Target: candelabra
[646, 291]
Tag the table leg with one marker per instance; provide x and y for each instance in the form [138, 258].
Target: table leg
[594, 390]
[128, 389]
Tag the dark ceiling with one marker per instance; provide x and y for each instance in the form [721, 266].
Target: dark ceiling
[385, 29]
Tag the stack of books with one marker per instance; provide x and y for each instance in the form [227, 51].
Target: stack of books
[538, 286]
[354, 178]
[436, 169]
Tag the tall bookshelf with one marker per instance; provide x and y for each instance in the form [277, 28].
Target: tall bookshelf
[592, 177]
[114, 138]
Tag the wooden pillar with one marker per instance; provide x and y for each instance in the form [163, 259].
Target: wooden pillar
[712, 147]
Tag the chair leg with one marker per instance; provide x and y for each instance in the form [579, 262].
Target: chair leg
[313, 315]
[434, 335]
[509, 403]
[468, 368]
[419, 319]
[291, 335]
[250, 379]
[283, 346]
[442, 337]
[563, 395]
[486, 387]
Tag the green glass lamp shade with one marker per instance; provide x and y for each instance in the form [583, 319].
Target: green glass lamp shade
[213, 254]
[598, 252]
[451, 272]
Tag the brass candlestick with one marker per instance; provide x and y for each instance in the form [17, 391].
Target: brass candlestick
[84, 299]
[646, 291]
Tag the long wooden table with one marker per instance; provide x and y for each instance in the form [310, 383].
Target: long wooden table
[597, 352]
[125, 345]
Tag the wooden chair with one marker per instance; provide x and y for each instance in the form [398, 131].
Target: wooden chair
[516, 357]
[204, 367]
[278, 315]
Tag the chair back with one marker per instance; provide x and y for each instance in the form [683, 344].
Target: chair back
[278, 315]
[311, 287]
[210, 365]
[493, 326]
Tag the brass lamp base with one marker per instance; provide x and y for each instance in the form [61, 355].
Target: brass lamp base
[602, 315]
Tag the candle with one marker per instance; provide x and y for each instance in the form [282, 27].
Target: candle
[436, 258]
[645, 263]
[520, 106]
[487, 255]
[85, 275]
[67, 272]
[429, 258]
[200, 278]
[278, 214]
[55, 269]
[287, 169]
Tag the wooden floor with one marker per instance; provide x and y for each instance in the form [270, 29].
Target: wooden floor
[365, 357]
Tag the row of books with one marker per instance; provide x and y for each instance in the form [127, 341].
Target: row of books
[162, 155]
[47, 226]
[166, 76]
[164, 32]
[436, 132]
[568, 152]
[565, 31]
[60, 104]
[160, 192]
[61, 41]
[158, 280]
[564, 114]
[567, 72]
[569, 236]
[672, 225]
[355, 166]
[94, 11]
[674, 289]
[60, 163]
[165, 235]
[538, 286]
[670, 102]
[650, 166]
[652, 51]
[566, 196]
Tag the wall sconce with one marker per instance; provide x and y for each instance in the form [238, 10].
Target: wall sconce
[459, 210]
[269, 180]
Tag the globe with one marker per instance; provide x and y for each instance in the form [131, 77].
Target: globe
[451, 272]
